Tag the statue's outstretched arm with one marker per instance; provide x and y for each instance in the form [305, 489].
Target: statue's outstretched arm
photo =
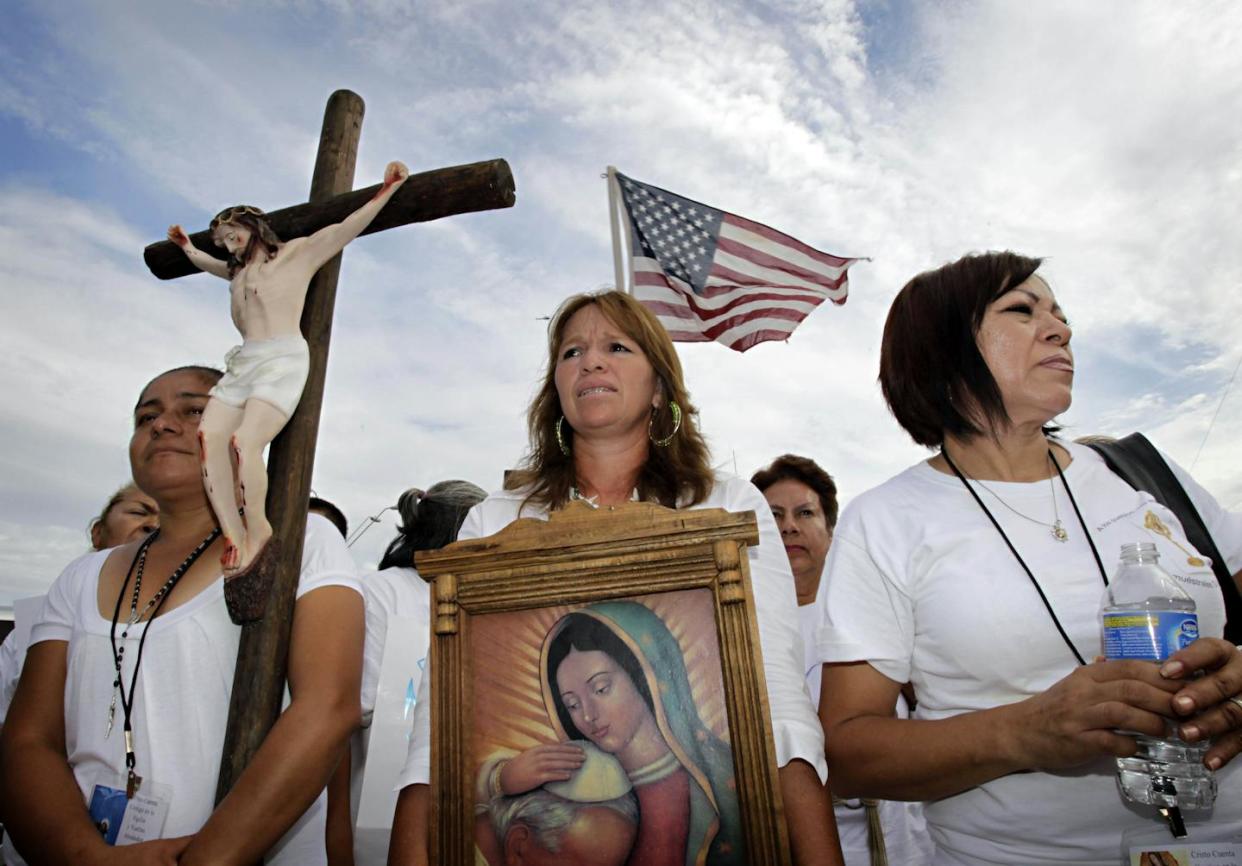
[330, 240]
[197, 257]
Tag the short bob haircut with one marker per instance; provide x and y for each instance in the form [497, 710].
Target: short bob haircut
[932, 374]
[791, 467]
[678, 474]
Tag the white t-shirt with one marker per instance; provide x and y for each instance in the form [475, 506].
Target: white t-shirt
[393, 592]
[13, 650]
[796, 731]
[905, 832]
[188, 662]
[919, 584]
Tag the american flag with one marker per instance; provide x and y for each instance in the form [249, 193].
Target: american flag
[711, 275]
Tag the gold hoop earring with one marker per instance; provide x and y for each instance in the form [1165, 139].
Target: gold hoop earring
[560, 437]
[675, 411]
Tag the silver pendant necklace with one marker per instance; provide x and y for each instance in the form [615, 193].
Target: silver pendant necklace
[1021, 562]
[1056, 528]
[575, 495]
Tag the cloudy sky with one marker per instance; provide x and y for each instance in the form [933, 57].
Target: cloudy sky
[1106, 136]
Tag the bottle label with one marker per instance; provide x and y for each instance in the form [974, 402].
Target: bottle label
[1148, 635]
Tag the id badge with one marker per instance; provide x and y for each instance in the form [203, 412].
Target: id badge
[126, 821]
[1175, 854]
[1206, 844]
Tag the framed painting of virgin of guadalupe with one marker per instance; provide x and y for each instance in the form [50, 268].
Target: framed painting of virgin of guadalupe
[598, 695]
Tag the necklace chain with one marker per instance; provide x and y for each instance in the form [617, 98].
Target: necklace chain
[575, 495]
[135, 616]
[1021, 562]
[137, 568]
[1056, 527]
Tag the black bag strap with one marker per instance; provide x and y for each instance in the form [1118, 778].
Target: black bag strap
[1136, 461]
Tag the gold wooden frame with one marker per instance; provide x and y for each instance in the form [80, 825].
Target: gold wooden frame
[582, 555]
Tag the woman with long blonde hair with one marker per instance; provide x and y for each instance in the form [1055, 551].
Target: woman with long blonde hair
[613, 422]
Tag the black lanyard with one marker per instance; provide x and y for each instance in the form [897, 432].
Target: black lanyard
[133, 780]
[1042, 597]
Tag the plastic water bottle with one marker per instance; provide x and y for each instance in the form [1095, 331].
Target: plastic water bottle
[1146, 615]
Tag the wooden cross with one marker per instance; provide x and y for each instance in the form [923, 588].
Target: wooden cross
[259, 678]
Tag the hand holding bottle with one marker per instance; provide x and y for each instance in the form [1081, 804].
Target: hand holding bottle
[1211, 704]
[1146, 616]
[1080, 717]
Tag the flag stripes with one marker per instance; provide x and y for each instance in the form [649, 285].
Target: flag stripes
[711, 275]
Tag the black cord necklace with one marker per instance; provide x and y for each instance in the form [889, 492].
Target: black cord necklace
[136, 569]
[1042, 597]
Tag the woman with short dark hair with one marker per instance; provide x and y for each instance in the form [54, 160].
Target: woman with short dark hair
[803, 499]
[804, 470]
[977, 576]
[395, 594]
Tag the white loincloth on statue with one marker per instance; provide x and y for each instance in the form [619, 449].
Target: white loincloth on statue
[273, 371]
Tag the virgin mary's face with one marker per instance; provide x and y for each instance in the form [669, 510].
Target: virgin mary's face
[601, 699]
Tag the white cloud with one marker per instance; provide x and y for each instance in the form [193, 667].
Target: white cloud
[31, 556]
[1103, 135]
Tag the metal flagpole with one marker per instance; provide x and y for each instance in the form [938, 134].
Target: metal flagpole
[629, 252]
[618, 254]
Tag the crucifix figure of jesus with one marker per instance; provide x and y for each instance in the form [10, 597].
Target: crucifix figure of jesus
[263, 382]
[259, 679]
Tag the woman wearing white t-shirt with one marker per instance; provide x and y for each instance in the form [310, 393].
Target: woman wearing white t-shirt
[124, 699]
[129, 515]
[612, 421]
[977, 576]
[803, 499]
[430, 519]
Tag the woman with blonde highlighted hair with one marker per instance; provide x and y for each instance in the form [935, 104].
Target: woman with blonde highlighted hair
[613, 422]
[676, 473]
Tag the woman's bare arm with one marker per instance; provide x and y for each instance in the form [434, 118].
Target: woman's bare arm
[339, 832]
[45, 811]
[809, 817]
[44, 806]
[296, 760]
[411, 835]
[873, 754]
